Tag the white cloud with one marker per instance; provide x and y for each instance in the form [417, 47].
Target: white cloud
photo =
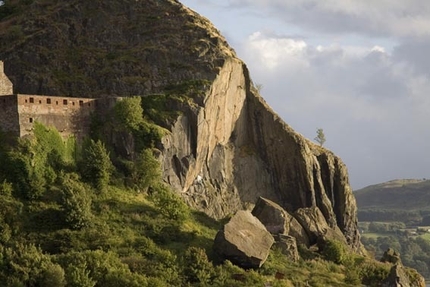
[372, 104]
[382, 18]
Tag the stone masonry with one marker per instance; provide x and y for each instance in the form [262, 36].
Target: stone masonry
[18, 112]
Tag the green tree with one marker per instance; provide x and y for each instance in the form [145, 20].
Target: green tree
[146, 171]
[129, 113]
[76, 203]
[169, 204]
[320, 138]
[95, 165]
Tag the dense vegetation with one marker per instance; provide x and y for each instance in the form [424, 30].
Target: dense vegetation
[412, 243]
[81, 214]
[396, 214]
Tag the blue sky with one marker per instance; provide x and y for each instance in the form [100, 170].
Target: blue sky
[358, 69]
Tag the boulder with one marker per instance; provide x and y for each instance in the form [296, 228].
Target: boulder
[317, 229]
[244, 241]
[288, 246]
[278, 221]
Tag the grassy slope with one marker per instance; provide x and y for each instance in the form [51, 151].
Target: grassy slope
[404, 194]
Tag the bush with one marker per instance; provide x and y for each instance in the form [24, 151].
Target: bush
[335, 251]
[197, 267]
[147, 171]
[169, 204]
[95, 165]
[76, 202]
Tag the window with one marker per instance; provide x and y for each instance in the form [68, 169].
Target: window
[31, 100]
[73, 103]
[30, 120]
[56, 102]
[40, 101]
[81, 103]
[48, 101]
[64, 102]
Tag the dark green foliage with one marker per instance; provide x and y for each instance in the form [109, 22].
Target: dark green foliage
[35, 163]
[95, 166]
[27, 265]
[76, 202]
[197, 267]
[146, 170]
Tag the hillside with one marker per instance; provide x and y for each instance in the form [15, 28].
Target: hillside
[190, 143]
[397, 200]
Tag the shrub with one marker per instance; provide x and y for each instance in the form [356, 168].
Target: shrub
[335, 251]
[76, 202]
[95, 165]
[197, 268]
[169, 204]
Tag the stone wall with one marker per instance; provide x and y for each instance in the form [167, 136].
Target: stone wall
[9, 119]
[6, 87]
[67, 115]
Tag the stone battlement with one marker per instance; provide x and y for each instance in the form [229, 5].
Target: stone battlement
[18, 112]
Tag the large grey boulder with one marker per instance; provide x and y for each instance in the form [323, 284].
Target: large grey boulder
[278, 221]
[244, 241]
[317, 228]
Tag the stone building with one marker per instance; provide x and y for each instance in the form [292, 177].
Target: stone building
[18, 112]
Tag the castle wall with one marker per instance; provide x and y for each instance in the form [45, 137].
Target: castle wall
[6, 87]
[9, 119]
[67, 115]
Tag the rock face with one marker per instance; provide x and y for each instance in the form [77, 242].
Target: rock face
[226, 146]
[244, 241]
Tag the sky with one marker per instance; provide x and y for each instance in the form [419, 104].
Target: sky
[360, 70]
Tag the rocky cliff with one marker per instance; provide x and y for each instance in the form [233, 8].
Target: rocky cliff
[226, 146]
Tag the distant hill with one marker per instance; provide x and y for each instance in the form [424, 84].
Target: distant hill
[406, 200]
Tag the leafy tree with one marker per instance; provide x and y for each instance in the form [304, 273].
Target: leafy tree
[26, 265]
[146, 171]
[169, 203]
[96, 166]
[197, 267]
[76, 203]
[320, 138]
[129, 113]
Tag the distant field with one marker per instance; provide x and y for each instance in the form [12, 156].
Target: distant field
[375, 235]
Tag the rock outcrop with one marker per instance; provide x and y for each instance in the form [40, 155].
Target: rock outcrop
[226, 146]
[278, 221]
[244, 241]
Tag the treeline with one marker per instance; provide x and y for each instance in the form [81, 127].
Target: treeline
[412, 217]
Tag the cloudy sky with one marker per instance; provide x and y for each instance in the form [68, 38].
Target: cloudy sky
[358, 69]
